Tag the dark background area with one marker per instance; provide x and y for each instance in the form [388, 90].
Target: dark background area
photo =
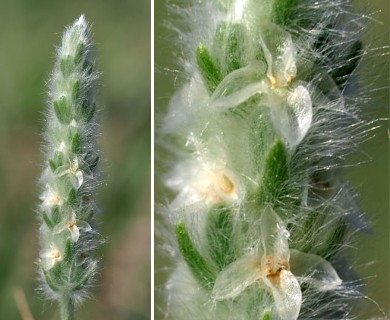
[29, 32]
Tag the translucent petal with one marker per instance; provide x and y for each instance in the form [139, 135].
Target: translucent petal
[59, 228]
[279, 52]
[74, 233]
[292, 116]
[84, 225]
[49, 258]
[287, 295]
[274, 235]
[315, 270]
[48, 262]
[80, 178]
[239, 86]
[236, 277]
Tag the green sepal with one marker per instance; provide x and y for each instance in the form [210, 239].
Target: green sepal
[275, 174]
[57, 161]
[67, 66]
[88, 112]
[282, 11]
[68, 250]
[196, 263]
[47, 220]
[80, 50]
[341, 74]
[53, 286]
[334, 240]
[72, 197]
[62, 110]
[76, 143]
[76, 91]
[94, 163]
[83, 277]
[235, 46]
[229, 46]
[56, 272]
[266, 315]
[210, 73]
[55, 215]
[220, 236]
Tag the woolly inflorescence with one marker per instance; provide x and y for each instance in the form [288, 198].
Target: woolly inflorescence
[259, 130]
[68, 235]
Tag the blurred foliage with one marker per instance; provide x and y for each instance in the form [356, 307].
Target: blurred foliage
[29, 32]
[370, 253]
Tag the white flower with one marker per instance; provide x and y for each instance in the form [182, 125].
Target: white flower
[50, 257]
[290, 104]
[198, 181]
[73, 226]
[50, 198]
[76, 175]
[278, 269]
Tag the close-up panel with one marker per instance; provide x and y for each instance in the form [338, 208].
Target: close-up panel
[75, 162]
[271, 159]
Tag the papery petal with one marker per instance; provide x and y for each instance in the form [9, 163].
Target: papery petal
[315, 270]
[59, 228]
[239, 86]
[274, 235]
[293, 116]
[236, 277]
[74, 233]
[279, 52]
[84, 225]
[48, 262]
[287, 295]
[80, 178]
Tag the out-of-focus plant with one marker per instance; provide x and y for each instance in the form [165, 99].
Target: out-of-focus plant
[68, 234]
[262, 214]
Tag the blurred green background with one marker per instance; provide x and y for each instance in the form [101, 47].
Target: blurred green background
[29, 32]
[370, 254]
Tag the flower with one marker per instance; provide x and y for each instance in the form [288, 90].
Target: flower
[50, 198]
[199, 181]
[50, 257]
[73, 226]
[76, 175]
[290, 103]
[277, 268]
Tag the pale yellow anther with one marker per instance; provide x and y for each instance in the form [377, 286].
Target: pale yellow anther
[290, 79]
[272, 79]
[224, 184]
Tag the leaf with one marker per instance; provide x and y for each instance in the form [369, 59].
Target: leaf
[275, 175]
[192, 257]
[76, 143]
[80, 52]
[62, 110]
[72, 197]
[68, 250]
[48, 279]
[283, 10]
[342, 74]
[209, 72]
[220, 236]
[67, 66]
[47, 220]
[76, 90]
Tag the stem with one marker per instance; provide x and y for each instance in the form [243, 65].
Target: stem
[66, 308]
